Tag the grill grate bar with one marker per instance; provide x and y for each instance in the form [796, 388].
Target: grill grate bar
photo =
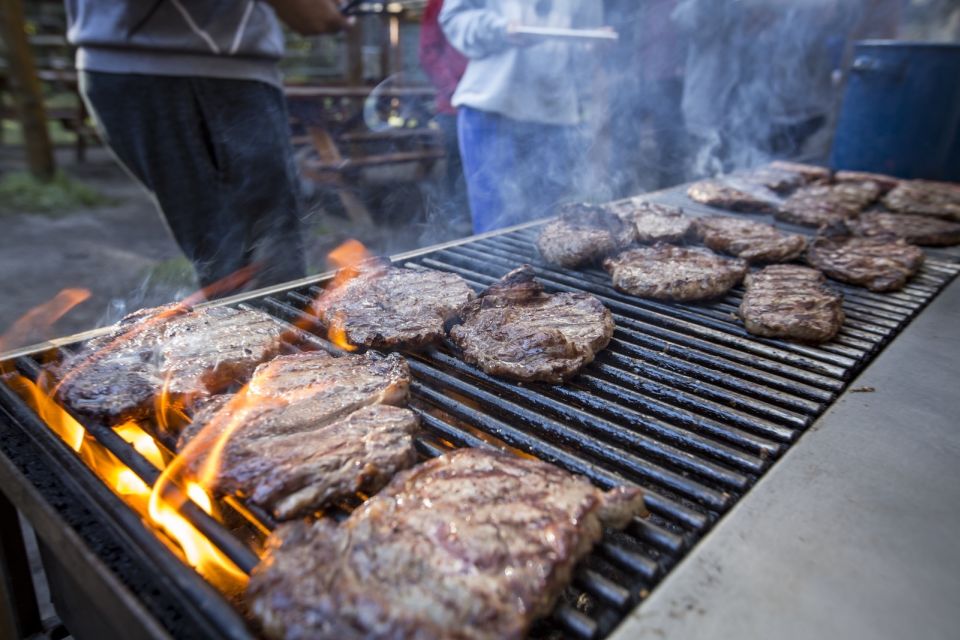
[671, 455]
[735, 370]
[541, 397]
[608, 454]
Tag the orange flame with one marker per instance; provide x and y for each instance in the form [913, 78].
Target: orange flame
[37, 321]
[345, 258]
[198, 551]
[348, 254]
[338, 335]
[166, 497]
[226, 285]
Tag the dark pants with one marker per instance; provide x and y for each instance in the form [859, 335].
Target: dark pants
[516, 171]
[216, 156]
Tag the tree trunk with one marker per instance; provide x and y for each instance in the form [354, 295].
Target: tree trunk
[25, 88]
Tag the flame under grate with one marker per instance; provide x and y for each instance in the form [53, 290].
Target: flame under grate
[683, 402]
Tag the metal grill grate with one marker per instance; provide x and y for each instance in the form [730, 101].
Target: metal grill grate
[683, 402]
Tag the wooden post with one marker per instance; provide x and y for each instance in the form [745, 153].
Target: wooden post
[26, 91]
[354, 54]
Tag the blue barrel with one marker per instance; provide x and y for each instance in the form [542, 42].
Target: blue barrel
[901, 111]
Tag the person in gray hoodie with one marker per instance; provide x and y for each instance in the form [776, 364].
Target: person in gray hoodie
[188, 96]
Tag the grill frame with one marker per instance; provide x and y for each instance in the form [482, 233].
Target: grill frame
[800, 384]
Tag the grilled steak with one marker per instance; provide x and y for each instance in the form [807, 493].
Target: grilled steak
[925, 198]
[885, 182]
[378, 305]
[778, 180]
[516, 330]
[583, 234]
[666, 272]
[914, 229]
[753, 241]
[468, 546]
[733, 195]
[653, 222]
[811, 174]
[309, 429]
[828, 204]
[879, 264]
[192, 353]
[790, 301]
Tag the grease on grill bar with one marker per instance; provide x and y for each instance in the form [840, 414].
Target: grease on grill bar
[683, 402]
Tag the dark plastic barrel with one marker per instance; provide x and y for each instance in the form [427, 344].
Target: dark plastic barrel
[901, 111]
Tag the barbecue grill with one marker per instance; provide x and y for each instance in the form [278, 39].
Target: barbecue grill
[683, 402]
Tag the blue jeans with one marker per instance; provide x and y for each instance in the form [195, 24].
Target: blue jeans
[516, 171]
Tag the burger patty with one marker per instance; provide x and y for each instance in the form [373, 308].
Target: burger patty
[654, 222]
[885, 182]
[667, 272]
[188, 354]
[812, 174]
[583, 234]
[914, 229]
[308, 430]
[778, 180]
[925, 198]
[819, 205]
[879, 264]
[378, 305]
[748, 239]
[516, 330]
[472, 545]
[733, 195]
[790, 301]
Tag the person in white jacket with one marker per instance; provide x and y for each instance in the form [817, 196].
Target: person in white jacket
[520, 103]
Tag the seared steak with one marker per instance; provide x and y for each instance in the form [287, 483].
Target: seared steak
[779, 180]
[733, 195]
[378, 305]
[192, 353]
[653, 222]
[790, 301]
[925, 198]
[468, 546]
[811, 173]
[309, 429]
[748, 239]
[516, 330]
[914, 229]
[879, 264]
[667, 272]
[828, 204]
[583, 234]
[885, 182]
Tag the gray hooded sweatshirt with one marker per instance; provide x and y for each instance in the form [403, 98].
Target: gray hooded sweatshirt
[238, 39]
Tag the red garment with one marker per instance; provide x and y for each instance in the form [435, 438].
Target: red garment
[441, 62]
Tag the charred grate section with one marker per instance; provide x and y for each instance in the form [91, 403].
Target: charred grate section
[683, 403]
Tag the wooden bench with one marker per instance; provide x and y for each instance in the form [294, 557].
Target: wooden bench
[334, 148]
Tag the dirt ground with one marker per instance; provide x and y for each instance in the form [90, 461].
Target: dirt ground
[123, 254]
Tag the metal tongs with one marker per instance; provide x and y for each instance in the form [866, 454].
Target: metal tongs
[561, 33]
